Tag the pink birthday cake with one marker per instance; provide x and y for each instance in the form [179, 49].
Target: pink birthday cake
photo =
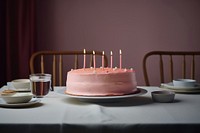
[101, 82]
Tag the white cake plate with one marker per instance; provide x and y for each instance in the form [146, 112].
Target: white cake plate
[105, 98]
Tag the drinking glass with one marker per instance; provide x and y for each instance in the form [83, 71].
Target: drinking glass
[40, 84]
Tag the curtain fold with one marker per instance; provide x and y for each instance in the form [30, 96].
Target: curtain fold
[18, 28]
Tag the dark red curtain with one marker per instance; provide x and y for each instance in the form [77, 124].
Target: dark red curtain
[17, 27]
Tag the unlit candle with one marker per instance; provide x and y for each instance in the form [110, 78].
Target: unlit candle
[120, 60]
[111, 59]
[103, 59]
[94, 60]
[84, 62]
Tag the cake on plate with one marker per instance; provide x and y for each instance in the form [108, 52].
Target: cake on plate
[101, 82]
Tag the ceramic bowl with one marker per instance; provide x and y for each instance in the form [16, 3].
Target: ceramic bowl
[184, 82]
[17, 98]
[163, 96]
[21, 83]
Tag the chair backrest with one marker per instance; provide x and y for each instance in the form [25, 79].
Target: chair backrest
[187, 60]
[53, 62]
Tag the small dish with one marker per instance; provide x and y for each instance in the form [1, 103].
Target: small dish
[184, 82]
[17, 97]
[163, 96]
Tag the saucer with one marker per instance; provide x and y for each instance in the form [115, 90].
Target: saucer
[33, 101]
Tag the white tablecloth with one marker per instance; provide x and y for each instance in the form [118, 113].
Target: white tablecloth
[59, 113]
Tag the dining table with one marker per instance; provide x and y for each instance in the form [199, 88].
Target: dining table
[58, 112]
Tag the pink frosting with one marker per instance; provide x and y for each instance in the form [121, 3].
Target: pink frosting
[101, 82]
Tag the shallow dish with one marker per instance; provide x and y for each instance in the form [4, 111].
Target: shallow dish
[163, 96]
[184, 83]
[17, 98]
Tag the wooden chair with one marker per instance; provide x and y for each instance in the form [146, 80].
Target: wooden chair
[185, 61]
[53, 61]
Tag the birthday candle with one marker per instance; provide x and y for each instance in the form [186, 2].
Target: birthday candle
[84, 62]
[120, 60]
[94, 60]
[111, 59]
[103, 59]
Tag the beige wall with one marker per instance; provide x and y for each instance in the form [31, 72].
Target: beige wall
[135, 26]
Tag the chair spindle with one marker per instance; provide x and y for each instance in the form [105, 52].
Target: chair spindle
[171, 68]
[54, 70]
[60, 69]
[161, 70]
[91, 60]
[42, 63]
[184, 67]
[193, 67]
[76, 62]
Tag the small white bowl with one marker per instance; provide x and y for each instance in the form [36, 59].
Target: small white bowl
[184, 82]
[163, 96]
[17, 98]
[21, 84]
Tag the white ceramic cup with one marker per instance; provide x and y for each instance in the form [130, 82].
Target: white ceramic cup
[21, 84]
[184, 82]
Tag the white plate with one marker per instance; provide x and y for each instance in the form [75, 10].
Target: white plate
[105, 98]
[31, 102]
[195, 89]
